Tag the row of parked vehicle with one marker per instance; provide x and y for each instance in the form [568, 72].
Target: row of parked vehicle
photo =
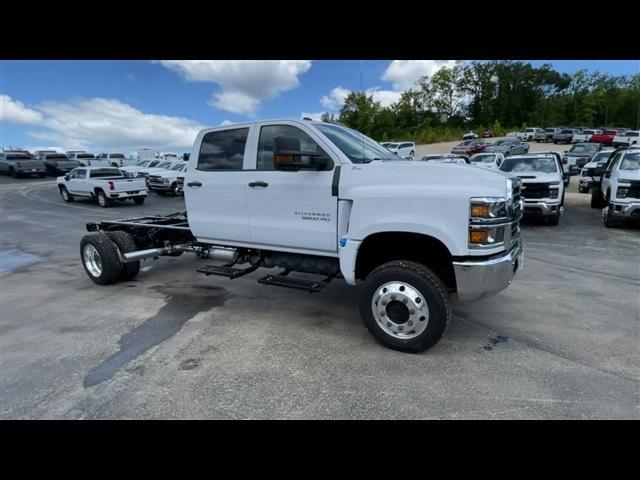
[558, 135]
[111, 184]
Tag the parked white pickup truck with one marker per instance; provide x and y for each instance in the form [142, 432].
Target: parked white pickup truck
[630, 137]
[619, 191]
[166, 181]
[322, 199]
[88, 159]
[104, 184]
[543, 183]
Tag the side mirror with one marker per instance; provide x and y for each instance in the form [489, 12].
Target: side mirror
[67, 177]
[566, 178]
[607, 174]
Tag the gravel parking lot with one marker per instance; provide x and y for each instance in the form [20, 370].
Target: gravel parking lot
[563, 342]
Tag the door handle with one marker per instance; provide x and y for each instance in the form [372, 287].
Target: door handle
[258, 184]
[194, 184]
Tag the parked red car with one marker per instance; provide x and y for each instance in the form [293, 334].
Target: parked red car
[606, 137]
[469, 147]
[488, 133]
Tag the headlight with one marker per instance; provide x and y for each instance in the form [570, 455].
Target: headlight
[624, 180]
[165, 180]
[622, 192]
[491, 208]
[488, 236]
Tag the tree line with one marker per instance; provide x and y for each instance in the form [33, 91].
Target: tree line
[501, 95]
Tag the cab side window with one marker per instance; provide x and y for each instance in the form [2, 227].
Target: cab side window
[223, 150]
[270, 133]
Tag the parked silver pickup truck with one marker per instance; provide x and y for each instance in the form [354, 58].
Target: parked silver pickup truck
[104, 184]
[21, 163]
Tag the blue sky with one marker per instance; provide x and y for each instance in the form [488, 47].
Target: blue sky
[125, 105]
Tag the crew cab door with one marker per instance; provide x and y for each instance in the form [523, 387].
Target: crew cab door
[216, 187]
[78, 183]
[611, 168]
[293, 209]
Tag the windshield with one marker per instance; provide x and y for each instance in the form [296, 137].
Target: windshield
[104, 172]
[601, 157]
[152, 163]
[143, 163]
[357, 147]
[585, 148]
[483, 158]
[163, 165]
[550, 130]
[503, 142]
[18, 157]
[631, 161]
[530, 164]
[116, 155]
[85, 155]
[633, 134]
[177, 167]
[56, 157]
[566, 131]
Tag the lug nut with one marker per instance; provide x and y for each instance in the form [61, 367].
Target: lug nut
[400, 328]
[393, 297]
[382, 314]
[409, 323]
[384, 302]
[404, 300]
[412, 311]
[388, 324]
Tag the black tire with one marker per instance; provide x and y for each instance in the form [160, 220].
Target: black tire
[64, 193]
[174, 189]
[554, 220]
[609, 220]
[103, 200]
[596, 198]
[42, 175]
[138, 200]
[14, 173]
[427, 284]
[412, 153]
[125, 243]
[110, 265]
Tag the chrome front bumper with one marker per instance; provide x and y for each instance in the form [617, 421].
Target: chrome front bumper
[542, 208]
[477, 279]
[623, 210]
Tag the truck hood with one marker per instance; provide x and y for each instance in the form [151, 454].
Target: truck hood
[629, 174]
[580, 155]
[536, 177]
[399, 176]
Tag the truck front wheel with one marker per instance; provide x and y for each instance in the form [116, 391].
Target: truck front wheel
[100, 258]
[404, 305]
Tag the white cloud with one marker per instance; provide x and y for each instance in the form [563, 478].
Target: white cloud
[244, 84]
[335, 98]
[312, 116]
[130, 76]
[226, 122]
[15, 111]
[404, 73]
[109, 123]
[385, 97]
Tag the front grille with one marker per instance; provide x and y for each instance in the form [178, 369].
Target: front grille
[634, 189]
[535, 190]
[155, 178]
[581, 162]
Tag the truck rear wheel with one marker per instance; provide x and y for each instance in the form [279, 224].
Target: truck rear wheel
[100, 259]
[404, 305]
[103, 200]
[609, 220]
[124, 242]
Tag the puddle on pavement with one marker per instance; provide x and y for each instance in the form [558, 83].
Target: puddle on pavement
[182, 304]
[13, 259]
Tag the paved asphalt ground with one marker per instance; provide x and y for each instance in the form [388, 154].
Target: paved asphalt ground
[563, 342]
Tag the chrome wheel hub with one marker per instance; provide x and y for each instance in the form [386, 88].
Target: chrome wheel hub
[400, 310]
[92, 260]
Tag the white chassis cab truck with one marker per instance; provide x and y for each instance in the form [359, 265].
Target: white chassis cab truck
[619, 191]
[105, 184]
[319, 200]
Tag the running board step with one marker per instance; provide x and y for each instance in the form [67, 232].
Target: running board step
[226, 271]
[296, 283]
